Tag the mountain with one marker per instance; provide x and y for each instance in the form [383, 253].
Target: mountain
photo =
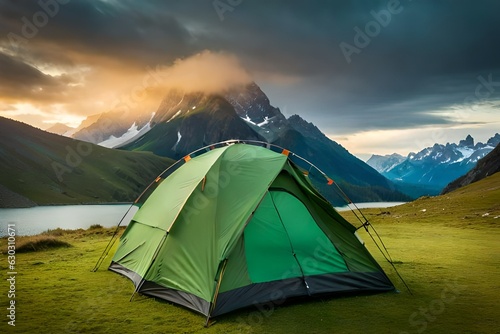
[485, 167]
[187, 121]
[431, 169]
[113, 128]
[44, 168]
[253, 106]
[383, 163]
[61, 129]
[361, 182]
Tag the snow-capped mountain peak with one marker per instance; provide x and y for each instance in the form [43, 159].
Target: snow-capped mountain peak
[253, 106]
[438, 165]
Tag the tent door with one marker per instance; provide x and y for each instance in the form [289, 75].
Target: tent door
[283, 241]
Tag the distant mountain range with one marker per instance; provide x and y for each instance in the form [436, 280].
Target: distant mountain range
[384, 163]
[431, 169]
[187, 121]
[37, 167]
[485, 167]
[62, 129]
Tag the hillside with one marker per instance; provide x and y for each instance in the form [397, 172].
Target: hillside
[476, 205]
[10, 199]
[488, 165]
[46, 168]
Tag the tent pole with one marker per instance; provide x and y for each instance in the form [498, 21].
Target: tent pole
[157, 251]
[110, 245]
[291, 247]
[216, 293]
[389, 260]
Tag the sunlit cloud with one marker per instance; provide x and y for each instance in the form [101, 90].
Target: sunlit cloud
[207, 71]
[46, 116]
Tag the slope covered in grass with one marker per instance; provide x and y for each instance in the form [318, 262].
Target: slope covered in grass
[475, 206]
[47, 168]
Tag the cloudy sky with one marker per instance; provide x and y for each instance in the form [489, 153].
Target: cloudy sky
[377, 76]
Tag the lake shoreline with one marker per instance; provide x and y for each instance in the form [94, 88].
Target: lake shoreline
[65, 204]
[368, 205]
[33, 221]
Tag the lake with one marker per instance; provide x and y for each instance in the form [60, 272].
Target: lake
[39, 219]
[369, 205]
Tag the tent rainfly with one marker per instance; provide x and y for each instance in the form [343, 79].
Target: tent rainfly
[237, 226]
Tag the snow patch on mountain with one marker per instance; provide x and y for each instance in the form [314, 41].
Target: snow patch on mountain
[266, 121]
[466, 153]
[175, 115]
[248, 120]
[179, 137]
[132, 133]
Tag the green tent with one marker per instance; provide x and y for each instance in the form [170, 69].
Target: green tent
[241, 225]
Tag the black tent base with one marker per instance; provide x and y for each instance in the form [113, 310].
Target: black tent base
[265, 297]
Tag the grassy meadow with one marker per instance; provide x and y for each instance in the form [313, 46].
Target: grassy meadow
[446, 248]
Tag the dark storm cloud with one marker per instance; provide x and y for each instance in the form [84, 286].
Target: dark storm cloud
[20, 80]
[18, 72]
[428, 57]
[109, 29]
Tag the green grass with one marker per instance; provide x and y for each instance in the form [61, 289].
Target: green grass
[449, 258]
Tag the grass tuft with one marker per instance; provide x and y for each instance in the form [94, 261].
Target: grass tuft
[58, 232]
[95, 227]
[40, 243]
